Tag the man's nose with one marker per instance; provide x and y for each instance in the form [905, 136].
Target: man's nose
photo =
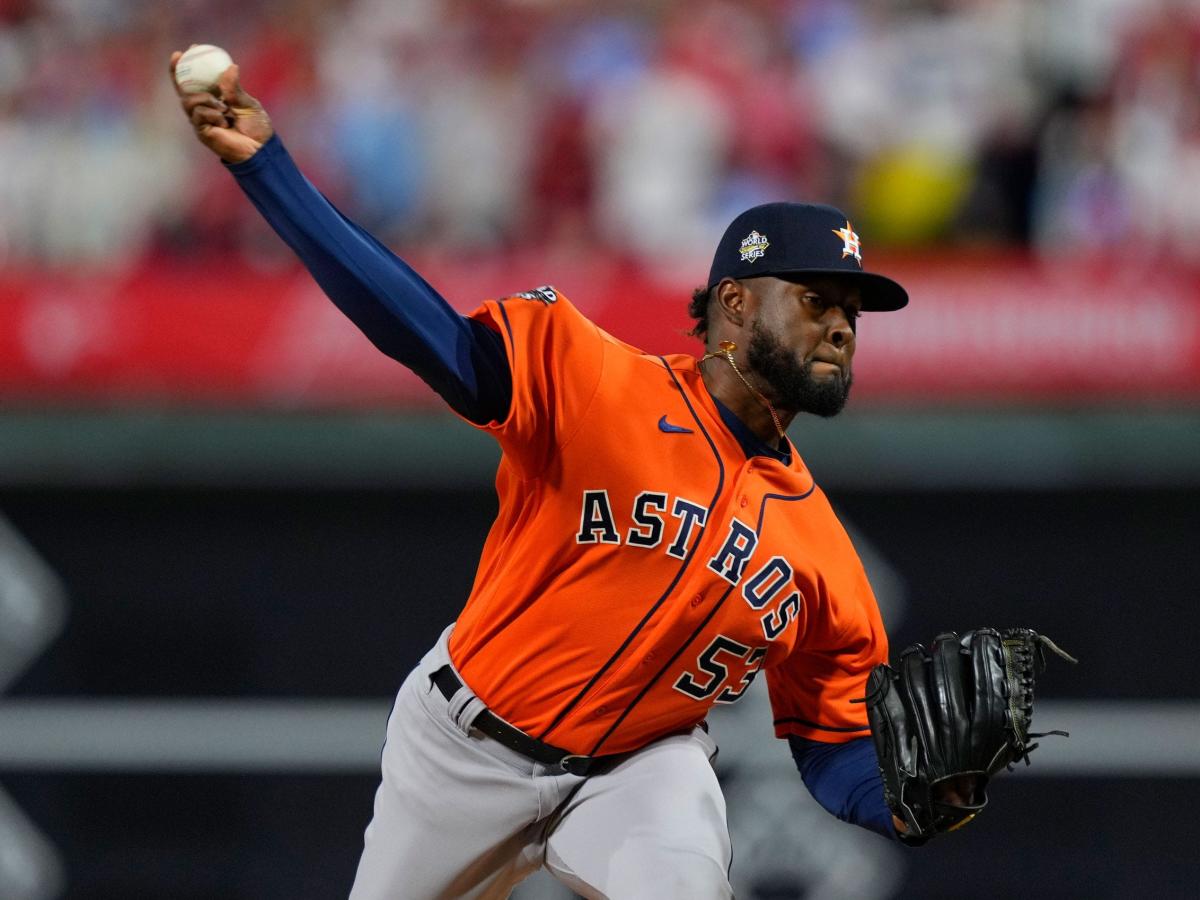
[841, 331]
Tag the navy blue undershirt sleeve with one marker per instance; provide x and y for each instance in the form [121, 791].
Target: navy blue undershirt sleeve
[460, 358]
[845, 779]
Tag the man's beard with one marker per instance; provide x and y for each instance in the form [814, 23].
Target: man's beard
[791, 383]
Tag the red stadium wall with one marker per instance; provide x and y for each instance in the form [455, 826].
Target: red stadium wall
[980, 329]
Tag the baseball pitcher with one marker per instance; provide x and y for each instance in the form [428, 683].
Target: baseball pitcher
[659, 543]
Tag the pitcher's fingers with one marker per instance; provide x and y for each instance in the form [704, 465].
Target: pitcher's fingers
[206, 115]
[175, 57]
[229, 89]
[201, 98]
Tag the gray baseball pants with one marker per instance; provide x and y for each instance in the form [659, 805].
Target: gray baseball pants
[458, 814]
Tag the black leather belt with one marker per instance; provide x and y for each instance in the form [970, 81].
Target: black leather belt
[514, 738]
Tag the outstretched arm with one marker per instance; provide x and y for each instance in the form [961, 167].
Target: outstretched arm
[400, 313]
[845, 780]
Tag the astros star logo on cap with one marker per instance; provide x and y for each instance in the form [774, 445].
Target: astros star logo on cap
[850, 243]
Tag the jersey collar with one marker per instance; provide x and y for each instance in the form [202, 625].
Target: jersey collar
[751, 442]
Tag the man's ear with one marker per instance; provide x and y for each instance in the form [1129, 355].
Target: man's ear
[730, 297]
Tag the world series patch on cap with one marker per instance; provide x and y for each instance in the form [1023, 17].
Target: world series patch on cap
[795, 239]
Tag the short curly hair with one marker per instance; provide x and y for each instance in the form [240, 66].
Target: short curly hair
[698, 310]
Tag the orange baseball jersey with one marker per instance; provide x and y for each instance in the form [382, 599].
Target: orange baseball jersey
[641, 568]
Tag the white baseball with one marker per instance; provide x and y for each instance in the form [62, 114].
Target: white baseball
[200, 67]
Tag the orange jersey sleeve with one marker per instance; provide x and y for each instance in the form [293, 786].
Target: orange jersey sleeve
[812, 691]
[556, 358]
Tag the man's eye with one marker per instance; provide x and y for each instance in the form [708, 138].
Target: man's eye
[820, 302]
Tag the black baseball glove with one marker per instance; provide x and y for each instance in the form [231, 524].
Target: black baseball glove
[949, 717]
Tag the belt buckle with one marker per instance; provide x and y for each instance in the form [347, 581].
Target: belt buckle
[575, 764]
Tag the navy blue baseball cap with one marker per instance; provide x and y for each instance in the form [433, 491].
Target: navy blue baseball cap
[786, 239]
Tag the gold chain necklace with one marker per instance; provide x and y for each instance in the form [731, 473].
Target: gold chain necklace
[725, 350]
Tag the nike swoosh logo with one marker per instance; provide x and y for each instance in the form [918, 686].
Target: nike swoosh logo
[664, 425]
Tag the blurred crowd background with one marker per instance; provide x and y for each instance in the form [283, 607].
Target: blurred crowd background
[639, 127]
